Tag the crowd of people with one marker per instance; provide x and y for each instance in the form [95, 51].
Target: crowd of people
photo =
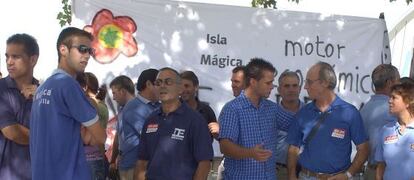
[56, 129]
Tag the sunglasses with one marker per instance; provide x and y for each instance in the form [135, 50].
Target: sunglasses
[85, 49]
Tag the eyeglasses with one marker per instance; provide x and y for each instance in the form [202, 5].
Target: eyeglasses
[310, 82]
[84, 49]
[167, 82]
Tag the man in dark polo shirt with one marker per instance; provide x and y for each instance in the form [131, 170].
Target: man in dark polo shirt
[191, 85]
[175, 141]
[16, 92]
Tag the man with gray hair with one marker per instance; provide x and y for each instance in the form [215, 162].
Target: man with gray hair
[375, 113]
[320, 137]
[289, 90]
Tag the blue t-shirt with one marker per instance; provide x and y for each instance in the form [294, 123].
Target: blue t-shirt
[130, 122]
[375, 114]
[397, 151]
[330, 149]
[174, 144]
[14, 109]
[244, 124]
[59, 109]
[286, 118]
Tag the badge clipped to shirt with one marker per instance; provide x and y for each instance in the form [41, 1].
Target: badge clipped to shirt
[338, 133]
[412, 147]
[391, 139]
[152, 128]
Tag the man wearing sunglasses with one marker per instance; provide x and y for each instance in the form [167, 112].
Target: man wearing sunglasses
[175, 141]
[59, 110]
[16, 92]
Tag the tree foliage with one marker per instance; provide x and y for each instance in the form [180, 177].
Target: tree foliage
[272, 3]
[269, 3]
[65, 16]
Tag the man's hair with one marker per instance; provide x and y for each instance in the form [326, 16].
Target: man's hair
[406, 80]
[237, 69]
[254, 69]
[67, 35]
[190, 75]
[29, 42]
[146, 75]
[327, 73]
[172, 70]
[288, 74]
[406, 91]
[383, 73]
[123, 82]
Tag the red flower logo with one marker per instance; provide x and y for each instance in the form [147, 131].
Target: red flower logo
[112, 35]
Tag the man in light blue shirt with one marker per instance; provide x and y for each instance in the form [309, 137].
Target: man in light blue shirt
[289, 90]
[132, 117]
[375, 113]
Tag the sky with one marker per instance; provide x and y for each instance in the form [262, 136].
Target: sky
[38, 18]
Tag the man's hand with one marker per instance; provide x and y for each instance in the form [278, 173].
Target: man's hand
[340, 176]
[28, 91]
[214, 128]
[260, 154]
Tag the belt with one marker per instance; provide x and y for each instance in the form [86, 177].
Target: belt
[372, 166]
[317, 175]
[281, 165]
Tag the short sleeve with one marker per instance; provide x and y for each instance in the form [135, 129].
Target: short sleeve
[7, 117]
[78, 105]
[229, 126]
[295, 135]
[358, 134]
[142, 146]
[210, 114]
[379, 151]
[202, 147]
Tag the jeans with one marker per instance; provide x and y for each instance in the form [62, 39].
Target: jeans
[99, 169]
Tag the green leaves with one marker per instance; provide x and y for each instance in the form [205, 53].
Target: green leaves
[65, 17]
[264, 3]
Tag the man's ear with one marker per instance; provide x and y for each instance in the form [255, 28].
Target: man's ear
[63, 49]
[33, 60]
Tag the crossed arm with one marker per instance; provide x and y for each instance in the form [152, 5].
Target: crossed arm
[16, 133]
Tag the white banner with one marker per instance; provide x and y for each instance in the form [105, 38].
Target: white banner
[212, 39]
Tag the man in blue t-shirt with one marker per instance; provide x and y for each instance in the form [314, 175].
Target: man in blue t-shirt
[16, 92]
[326, 151]
[175, 140]
[59, 110]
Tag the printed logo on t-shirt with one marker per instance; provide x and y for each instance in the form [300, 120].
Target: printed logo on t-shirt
[412, 147]
[338, 133]
[178, 134]
[152, 128]
[390, 139]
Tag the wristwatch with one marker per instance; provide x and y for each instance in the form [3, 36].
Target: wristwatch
[348, 174]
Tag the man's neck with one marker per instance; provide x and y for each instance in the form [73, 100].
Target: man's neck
[325, 100]
[129, 97]
[168, 107]
[382, 92]
[147, 95]
[192, 102]
[292, 106]
[23, 81]
[64, 68]
[252, 96]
